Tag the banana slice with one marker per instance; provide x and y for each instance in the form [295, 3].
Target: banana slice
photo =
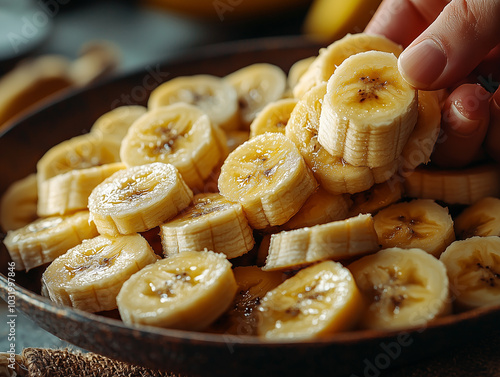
[318, 301]
[334, 55]
[473, 267]
[376, 198]
[89, 276]
[18, 204]
[243, 315]
[45, 239]
[297, 70]
[257, 85]
[211, 222]
[263, 250]
[337, 240]
[187, 291]
[369, 110]
[268, 177]
[480, 219]
[115, 123]
[138, 199]
[321, 207]
[179, 134]
[80, 152]
[335, 175]
[464, 186]
[420, 144]
[273, 117]
[421, 224]
[403, 288]
[213, 95]
[68, 192]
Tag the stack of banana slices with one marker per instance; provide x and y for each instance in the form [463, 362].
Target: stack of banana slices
[261, 204]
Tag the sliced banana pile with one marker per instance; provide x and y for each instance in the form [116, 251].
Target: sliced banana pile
[258, 204]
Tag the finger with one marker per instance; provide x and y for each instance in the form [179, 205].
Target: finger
[464, 125]
[453, 45]
[403, 20]
[492, 141]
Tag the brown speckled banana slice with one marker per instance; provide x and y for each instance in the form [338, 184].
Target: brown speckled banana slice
[273, 117]
[480, 219]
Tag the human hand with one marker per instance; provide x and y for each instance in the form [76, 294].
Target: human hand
[447, 41]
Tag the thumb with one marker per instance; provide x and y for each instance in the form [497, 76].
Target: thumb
[453, 45]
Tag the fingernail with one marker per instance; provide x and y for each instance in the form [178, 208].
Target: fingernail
[462, 125]
[423, 63]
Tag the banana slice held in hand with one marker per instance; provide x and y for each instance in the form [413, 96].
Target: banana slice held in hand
[337, 240]
[403, 288]
[480, 219]
[269, 178]
[334, 173]
[256, 85]
[212, 223]
[19, 203]
[179, 134]
[90, 275]
[369, 110]
[45, 239]
[213, 95]
[323, 67]
[318, 301]
[421, 224]
[473, 267]
[186, 291]
[138, 199]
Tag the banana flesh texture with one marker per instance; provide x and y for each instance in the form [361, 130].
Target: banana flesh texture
[377, 197]
[18, 204]
[256, 85]
[420, 144]
[115, 123]
[81, 152]
[473, 267]
[269, 178]
[68, 192]
[465, 186]
[334, 173]
[138, 199]
[323, 67]
[189, 291]
[480, 219]
[369, 110]
[421, 224]
[403, 288]
[318, 301]
[337, 240]
[213, 95]
[45, 239]
[179, 134]
[273, 117]
[321, 207]
[243, 315]
[211, 222]
[90, 275]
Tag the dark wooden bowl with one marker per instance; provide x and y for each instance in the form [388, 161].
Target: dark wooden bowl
[192, 353]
